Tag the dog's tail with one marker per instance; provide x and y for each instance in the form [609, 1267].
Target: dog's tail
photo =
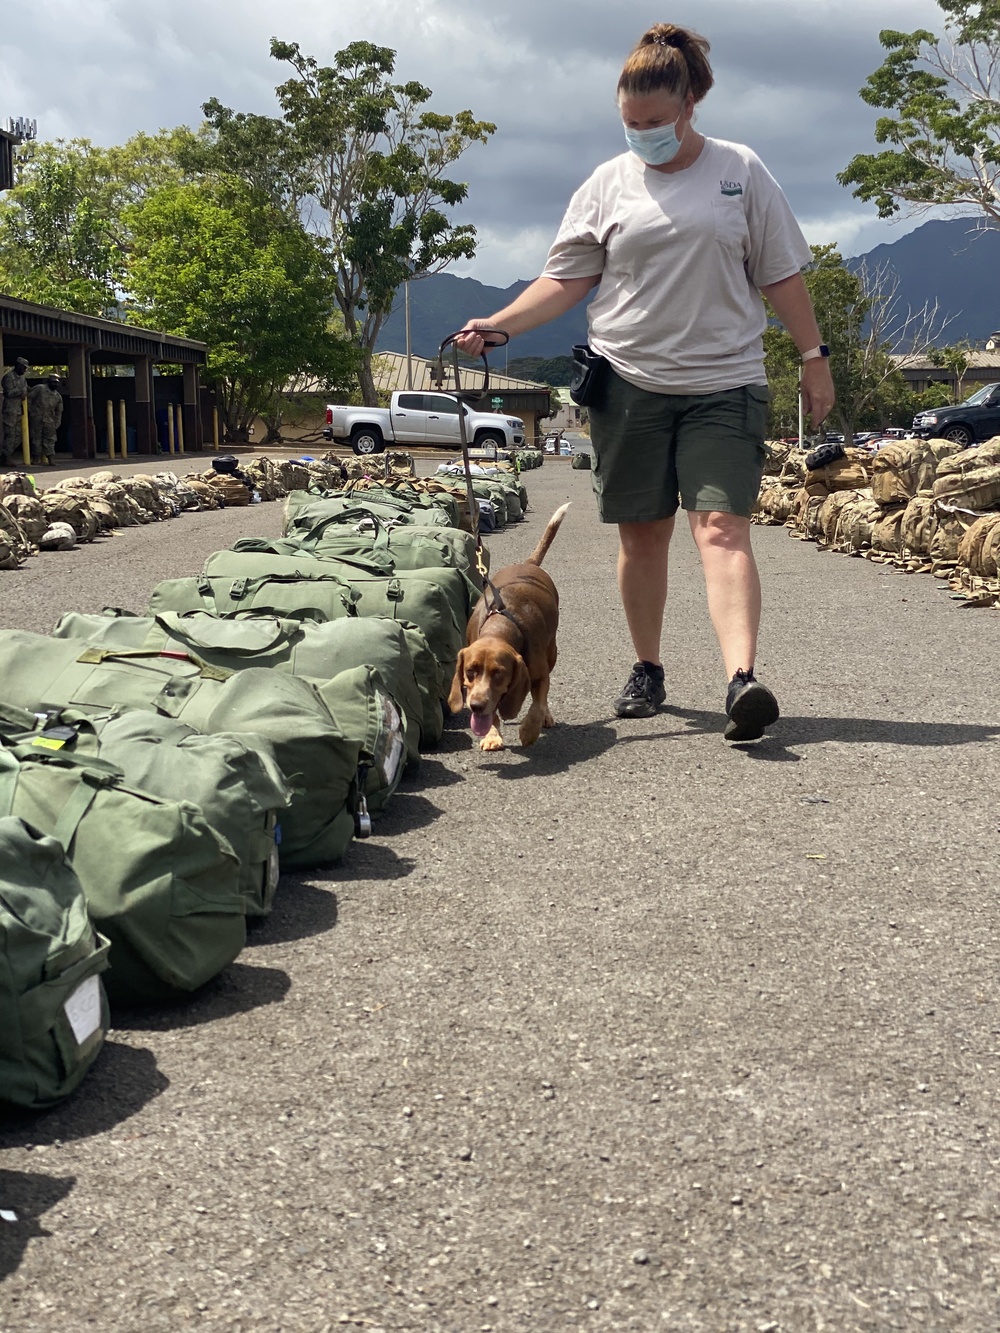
[548, 536]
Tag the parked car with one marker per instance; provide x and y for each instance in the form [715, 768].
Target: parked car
[420, 418]
[978, 418]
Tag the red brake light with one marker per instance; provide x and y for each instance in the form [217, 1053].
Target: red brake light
[329, 416]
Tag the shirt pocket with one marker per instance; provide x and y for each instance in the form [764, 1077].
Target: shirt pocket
[731, 225]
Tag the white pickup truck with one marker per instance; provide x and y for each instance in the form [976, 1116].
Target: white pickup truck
[419, 418]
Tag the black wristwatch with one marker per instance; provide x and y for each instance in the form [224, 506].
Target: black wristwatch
[815, 352]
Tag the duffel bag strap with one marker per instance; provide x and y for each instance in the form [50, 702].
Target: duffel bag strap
[73, 812]
[9, 772]
[98, 656]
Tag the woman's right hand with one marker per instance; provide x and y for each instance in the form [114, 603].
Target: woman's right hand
[470, 341]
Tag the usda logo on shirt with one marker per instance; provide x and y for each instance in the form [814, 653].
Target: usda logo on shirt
[730, 187]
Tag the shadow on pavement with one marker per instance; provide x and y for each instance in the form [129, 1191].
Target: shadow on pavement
[236, 990]
[569, 744]
[29, 1196]
[300, 911]
[430, 773]
[557, 749]
[864, 730]
[123, 1079]
[407, 811]
[369, 859]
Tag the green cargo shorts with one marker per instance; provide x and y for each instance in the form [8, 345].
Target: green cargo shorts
[654, 452]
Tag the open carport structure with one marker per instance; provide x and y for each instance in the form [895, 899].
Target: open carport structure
[46, 336]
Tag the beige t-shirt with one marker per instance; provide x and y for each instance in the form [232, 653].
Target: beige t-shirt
[681, 256]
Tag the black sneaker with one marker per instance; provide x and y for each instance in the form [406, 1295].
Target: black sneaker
[643, 691]
[750, 707]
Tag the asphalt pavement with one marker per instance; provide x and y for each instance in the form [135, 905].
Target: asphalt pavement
[631, 1030]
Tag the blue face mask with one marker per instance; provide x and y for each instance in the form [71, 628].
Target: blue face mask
[656, 147]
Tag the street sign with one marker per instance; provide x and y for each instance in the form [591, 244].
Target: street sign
[497, 403]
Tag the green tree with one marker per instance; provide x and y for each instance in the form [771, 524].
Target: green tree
[370, 160]
[943, 99]
[63, 240]
[55, 247]
[955, 358]
[937, 394]
[870, 336]
[260, 151]
[247, 281]
[554, 370]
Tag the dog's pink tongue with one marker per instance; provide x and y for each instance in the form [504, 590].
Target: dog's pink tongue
[481, 723]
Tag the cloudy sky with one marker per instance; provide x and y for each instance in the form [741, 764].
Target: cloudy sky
[787, 80]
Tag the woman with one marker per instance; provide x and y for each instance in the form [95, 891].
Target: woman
[681, 235]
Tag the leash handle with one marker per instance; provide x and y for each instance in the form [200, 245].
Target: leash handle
[473, 504]
[497, 338]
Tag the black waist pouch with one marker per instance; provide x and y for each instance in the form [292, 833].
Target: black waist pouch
[590, 369]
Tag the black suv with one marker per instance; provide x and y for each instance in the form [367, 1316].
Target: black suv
[978, 418]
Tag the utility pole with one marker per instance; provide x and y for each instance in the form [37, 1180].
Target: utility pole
[409, 357]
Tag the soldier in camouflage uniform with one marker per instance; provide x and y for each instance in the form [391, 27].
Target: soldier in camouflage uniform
[45, 409]
[15, 390]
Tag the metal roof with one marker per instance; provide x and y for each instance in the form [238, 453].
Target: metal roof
[977, 361]
[390, 374]
[44, 334]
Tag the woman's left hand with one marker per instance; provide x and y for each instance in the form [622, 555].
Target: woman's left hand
[817, 389]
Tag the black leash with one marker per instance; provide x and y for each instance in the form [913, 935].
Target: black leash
[497, 607]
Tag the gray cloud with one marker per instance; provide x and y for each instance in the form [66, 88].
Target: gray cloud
[787, 79]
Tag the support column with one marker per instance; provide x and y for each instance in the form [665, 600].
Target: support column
[192, 429]
[91, 423]
[80, 423]
[145, 422]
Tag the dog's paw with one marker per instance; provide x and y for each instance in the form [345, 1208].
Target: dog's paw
[548, 720]
[492, 740]
[528, 732]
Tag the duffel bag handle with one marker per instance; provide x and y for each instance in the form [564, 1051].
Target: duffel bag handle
[98, 656]
[185, 626]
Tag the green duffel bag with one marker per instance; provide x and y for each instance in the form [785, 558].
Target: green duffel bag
[581, 461]
[461, 591]
[503, 490]
[423, 597]
[316, 649]
[512, 494]
[159, 882]
[502, 495]
[409, 548]
[53, 1006]
[288, 596]
[304, 510]
[240, 791]
[402, 493]
[318, 757]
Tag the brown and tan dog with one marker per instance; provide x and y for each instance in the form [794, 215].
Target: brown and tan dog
[511, 651]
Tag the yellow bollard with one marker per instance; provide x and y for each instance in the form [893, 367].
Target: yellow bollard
[170, 428]
[180, 428]
[122, 429]
[111, 429]
[25, 436]
[215, 429]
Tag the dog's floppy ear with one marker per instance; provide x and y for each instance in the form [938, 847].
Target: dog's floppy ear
[456, 698]
[517, 691]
